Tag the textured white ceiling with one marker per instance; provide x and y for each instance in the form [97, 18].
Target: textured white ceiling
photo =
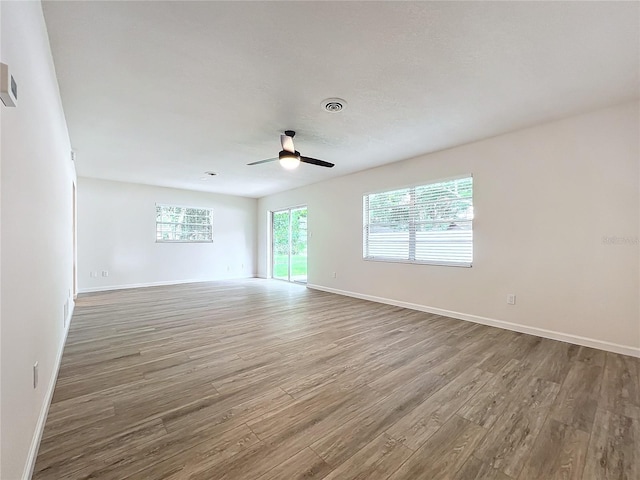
[159, 92]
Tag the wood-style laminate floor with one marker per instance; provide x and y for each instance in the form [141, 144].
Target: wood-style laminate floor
[265, 380]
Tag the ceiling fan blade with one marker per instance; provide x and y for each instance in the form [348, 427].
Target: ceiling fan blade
[314, 161]
[287, 143]
[263, 161]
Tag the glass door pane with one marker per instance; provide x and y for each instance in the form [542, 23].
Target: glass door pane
[289, 248]
[280, 250]
[299, 244]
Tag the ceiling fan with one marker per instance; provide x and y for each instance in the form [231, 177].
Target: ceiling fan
[289, 157]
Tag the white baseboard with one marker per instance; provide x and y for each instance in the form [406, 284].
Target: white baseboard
[108, 288]
[539, 332]
[44, 411]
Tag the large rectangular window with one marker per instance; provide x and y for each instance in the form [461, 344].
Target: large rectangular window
[183, 224]
[430, 224]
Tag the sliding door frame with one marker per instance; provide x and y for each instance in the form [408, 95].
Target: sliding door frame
[272, 213]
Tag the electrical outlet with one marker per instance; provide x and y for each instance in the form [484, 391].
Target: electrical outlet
[511, 299]
[334, 275]
[35, 375]
[93, 274]
[105, 273]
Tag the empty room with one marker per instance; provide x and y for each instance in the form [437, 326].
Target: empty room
[319, 240]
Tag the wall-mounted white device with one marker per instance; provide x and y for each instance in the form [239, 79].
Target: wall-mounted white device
[8, 87]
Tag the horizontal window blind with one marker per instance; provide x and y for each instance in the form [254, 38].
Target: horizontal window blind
[183, 224]
[423, 224]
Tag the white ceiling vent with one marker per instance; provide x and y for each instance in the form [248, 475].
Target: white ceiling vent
[334, 105]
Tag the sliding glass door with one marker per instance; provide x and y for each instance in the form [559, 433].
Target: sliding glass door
[281, 252]
[289, 244]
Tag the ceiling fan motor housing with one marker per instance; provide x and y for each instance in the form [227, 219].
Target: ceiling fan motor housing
[284, 153]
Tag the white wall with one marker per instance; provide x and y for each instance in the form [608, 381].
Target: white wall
[1, 110]
[36, 235]
[544, 199]
[117, 231]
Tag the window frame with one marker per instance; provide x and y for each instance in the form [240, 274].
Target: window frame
[411, 245]
[161, 205]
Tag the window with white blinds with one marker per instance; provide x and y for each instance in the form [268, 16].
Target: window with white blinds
[183, 224]
[430, 224]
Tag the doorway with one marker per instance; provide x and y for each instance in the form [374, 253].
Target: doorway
[289, 244]
[74, 236]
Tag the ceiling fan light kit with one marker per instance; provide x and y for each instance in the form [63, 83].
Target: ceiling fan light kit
[289, 160]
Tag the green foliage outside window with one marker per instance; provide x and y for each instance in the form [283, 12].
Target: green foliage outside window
[183, 224]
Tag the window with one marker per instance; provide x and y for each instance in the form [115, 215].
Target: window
[183, 224]
[423, 224]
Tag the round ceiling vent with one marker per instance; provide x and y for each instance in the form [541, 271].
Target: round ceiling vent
[334, 105]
